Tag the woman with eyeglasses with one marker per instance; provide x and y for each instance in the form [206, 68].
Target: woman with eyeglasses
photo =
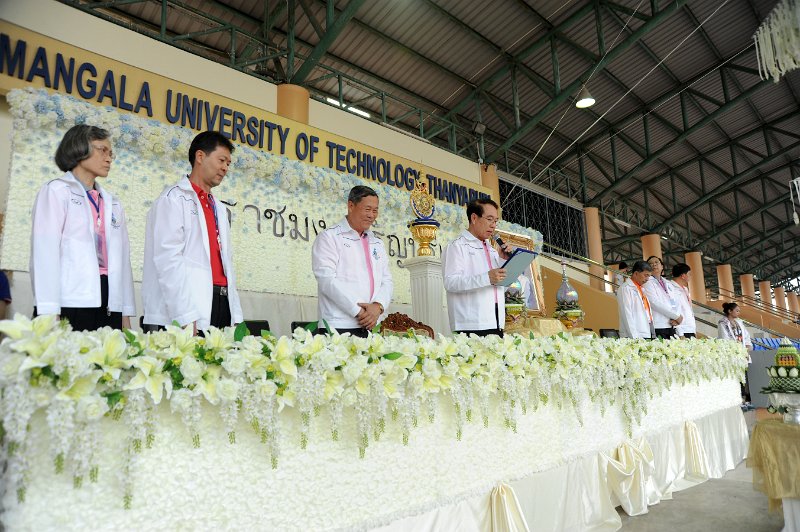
[80, 254]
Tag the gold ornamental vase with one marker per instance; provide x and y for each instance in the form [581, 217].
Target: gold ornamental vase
[424, 232]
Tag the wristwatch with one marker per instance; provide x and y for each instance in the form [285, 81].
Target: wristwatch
[381, 306]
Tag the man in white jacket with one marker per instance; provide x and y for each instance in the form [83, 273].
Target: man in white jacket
[635, 315]
[188, 272]
[681, 273]
[471, 272]
[354, 284]
[664, 301]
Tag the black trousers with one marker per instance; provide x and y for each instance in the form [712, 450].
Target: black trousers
[90, 319]
[689, 335]
[360, 332]
[666, 333]
[220, 308]
[484, 332]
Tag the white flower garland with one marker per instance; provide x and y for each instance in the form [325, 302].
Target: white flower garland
[77, 378]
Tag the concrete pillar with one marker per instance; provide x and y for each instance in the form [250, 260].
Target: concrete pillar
[765, 288]
[794, 305]
[651, 245]
[595, 245]
[725, 282]
[748, 288]
[697, 279]
[293, 102]
[780, 298]
[491, 180]
[427, 292]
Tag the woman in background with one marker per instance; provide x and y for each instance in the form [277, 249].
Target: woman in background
[732, 328]
[80, 254]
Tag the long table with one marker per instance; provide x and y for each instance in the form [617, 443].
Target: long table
[563, 475]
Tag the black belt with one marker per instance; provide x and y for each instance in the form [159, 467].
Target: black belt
[220, 290]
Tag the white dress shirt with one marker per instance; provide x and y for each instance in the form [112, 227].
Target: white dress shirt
[688, 325]
[634, 321]
[471, 297]
[177, 282]
[63, 262]
[339, 264]
[663, 301]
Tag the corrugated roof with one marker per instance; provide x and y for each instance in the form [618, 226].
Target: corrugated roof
[433, 53]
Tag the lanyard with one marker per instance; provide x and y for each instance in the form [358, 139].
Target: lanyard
[95, 204]
[213, 204]
[645, 302]
[737, 332]
[662, 285]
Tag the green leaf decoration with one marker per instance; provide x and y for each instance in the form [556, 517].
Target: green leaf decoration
[129, 336]
[312, 326]
[376, 329]
[392, 356]
[531, 336]
[113, 398]
[240, 332]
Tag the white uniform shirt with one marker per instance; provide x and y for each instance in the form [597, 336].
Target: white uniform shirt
[176, 281]
[663, 301]
[727, 331]
[688, 325]
[634, 321]
[470, 295]
[63, 262]
[339, 264]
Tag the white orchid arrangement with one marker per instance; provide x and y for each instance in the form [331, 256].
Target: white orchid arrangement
[80, 378]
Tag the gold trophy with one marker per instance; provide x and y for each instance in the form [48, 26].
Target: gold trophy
[424, 227]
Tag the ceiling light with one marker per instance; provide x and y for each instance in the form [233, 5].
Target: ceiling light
[479, 128]
[584, 99]
[344, 106]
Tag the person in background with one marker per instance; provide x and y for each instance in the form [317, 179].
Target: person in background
[681, 273]
[80, 254]
[619, 275]
[354, 284]
[731, 327]
[188, 274]
[635, 314]
[663, 301]
[471, 273]
[5, 295]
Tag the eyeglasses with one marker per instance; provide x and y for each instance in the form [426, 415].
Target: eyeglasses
[105, 151]
[490, 219]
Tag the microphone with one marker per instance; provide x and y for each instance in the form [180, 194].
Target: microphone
[500, 242]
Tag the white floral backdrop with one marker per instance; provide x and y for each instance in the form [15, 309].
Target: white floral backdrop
[277, 205]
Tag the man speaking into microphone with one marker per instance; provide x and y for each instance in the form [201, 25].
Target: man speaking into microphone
[471, 272]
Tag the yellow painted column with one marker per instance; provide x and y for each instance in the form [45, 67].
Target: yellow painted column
[765, 288]
[780, 298]
[491, 180]
[293, 102]
[595, 244]
[651, 245]
[725, 282]
[748, 288]
[794, 305]
[697, 279]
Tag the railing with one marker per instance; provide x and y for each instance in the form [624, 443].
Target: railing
[587, 261]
